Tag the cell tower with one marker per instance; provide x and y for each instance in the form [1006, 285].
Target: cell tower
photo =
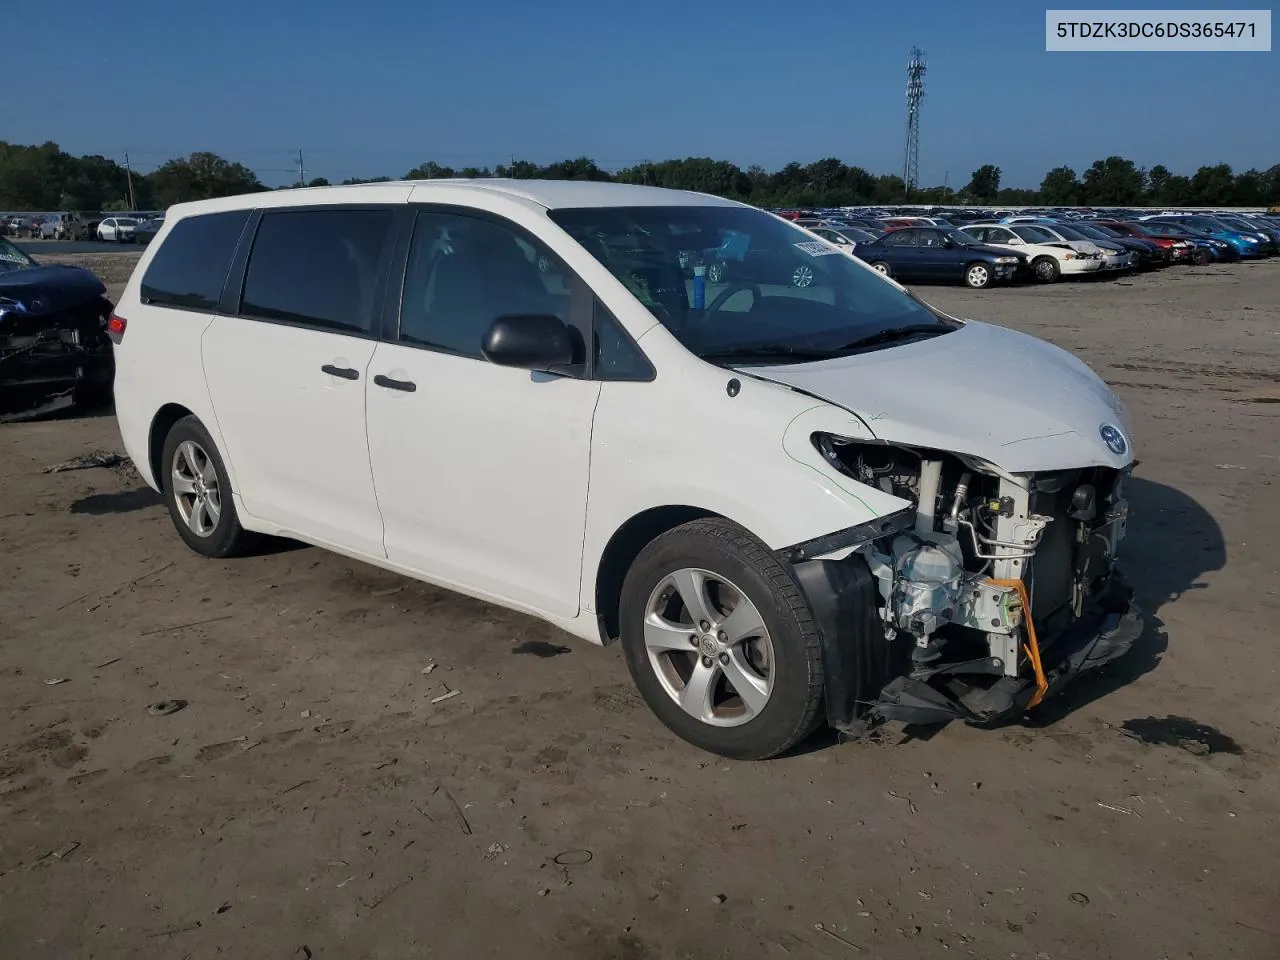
[915, 94]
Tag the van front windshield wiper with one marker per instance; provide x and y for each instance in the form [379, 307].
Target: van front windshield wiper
[896, 333]
[766, 351]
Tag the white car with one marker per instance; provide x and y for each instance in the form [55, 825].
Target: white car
[790, 504]
[118, 229]
[1050, 256]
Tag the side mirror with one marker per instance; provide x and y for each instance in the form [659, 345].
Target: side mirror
[536, 342]
[948, 242]
[1015, 241]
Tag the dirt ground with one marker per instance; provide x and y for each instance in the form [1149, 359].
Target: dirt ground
[312, 801]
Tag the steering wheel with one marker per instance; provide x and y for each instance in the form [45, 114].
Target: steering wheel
[730, 290]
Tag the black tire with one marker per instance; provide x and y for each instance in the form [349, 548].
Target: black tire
[1046, 269]
[881, 267]
[227, 537]
[978, 275]
[721, 547]
[1202, 258]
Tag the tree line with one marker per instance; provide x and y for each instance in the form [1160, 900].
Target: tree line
[45, 177]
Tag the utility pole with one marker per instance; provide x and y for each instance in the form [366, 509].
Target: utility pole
[128, 172]
[302, 173]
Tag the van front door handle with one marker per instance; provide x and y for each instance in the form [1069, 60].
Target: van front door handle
[406, 385]
[346, 373]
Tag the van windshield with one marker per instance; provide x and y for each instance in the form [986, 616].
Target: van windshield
[769, 292]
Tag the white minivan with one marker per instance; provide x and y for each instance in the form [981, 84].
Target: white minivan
[791, 504]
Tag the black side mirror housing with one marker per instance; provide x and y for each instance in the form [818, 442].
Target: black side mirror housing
[530, 342]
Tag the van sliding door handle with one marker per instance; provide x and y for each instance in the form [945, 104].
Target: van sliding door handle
[346, 373]
[406, 385]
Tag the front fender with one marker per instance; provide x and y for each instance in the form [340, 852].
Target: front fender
[746, 457]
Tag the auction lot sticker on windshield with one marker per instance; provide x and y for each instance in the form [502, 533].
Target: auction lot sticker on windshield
[816, 248]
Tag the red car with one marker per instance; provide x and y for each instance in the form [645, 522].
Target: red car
[1181, 249]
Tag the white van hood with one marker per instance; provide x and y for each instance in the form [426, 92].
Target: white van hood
[982, 390]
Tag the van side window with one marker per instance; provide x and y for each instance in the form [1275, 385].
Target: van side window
[190, 268]
[465, 272]
[616, 355]
[317, 268]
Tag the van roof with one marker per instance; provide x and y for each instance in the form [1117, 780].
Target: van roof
[551, 194]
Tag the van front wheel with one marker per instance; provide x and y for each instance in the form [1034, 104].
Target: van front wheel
[720, 641]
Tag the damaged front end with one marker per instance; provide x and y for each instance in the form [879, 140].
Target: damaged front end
[997, 590]
[54, 348]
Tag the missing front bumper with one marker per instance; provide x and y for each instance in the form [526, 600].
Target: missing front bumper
[1107, 630]
[869, 678]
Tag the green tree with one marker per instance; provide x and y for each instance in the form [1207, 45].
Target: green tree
[199, 177]
[1158, 178]
[582, 168]
[429, 171]
[1114, 181]
[1060, 188]
[519, 170]
[1213, 186]
[984, 185]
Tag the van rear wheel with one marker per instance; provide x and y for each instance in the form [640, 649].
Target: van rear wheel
[720, 641]
[197, 492]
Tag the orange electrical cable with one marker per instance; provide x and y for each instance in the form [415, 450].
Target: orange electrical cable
[1032, 646]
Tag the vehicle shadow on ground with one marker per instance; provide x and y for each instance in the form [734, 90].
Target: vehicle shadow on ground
[122, 501]
[1172, 542]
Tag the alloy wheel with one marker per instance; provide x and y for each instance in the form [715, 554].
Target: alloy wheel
[709, 647]
[194, 480]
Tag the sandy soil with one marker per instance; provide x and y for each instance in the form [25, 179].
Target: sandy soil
[310, 800]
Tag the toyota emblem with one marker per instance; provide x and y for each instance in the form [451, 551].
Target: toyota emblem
[1113, 438]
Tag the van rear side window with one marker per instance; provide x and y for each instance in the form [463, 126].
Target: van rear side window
[191, 266]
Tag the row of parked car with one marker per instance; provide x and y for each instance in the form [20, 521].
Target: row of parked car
[139, 226]
[980, 250]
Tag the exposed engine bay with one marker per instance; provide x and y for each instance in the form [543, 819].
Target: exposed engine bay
[998, 590]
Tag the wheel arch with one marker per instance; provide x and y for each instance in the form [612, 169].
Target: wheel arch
[621, 551]
[161, 424]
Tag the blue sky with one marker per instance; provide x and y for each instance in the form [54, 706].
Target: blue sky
[374, 88]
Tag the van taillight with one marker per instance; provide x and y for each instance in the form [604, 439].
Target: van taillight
[115, 327]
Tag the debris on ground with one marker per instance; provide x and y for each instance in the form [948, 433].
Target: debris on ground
[911, 806]
[88, 461]
[164, 708]
[1125, 810]
[54, 681]
[426, 671]
[822, 928]
[445, 696]
[719, 898]
[572, 858]
[457, 810]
